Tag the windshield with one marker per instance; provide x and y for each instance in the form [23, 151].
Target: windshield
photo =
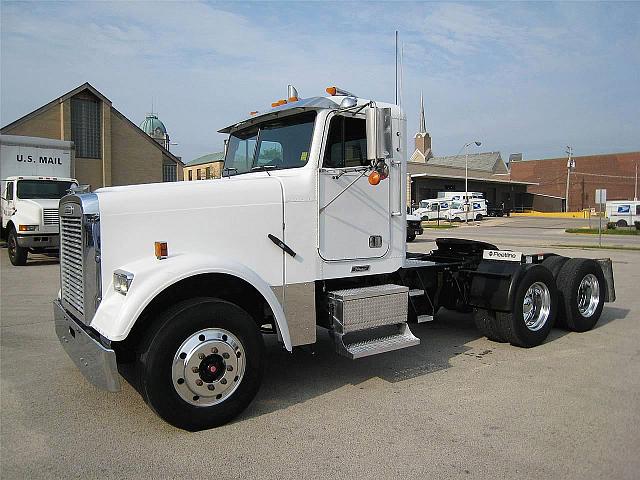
[30, 189]
[424, 204]
[277, 143]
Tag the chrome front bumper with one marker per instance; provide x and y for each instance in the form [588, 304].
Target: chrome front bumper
[96, 362]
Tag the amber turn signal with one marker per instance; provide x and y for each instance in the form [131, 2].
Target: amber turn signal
[374, 178]
[161, 249]
[332, 90]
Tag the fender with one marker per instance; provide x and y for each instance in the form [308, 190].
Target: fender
[494, 283]
[117, 313]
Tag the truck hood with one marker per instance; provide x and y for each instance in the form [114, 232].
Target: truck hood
[41, 202]
[229, 217]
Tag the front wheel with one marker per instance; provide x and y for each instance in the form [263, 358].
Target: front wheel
[479, 217]
[17, 254]
[202, 364]
[533, 311]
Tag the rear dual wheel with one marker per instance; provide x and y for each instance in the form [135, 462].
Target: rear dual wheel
[533, 311]
[582, 291]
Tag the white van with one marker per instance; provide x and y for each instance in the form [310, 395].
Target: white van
[477, 210]
[623, 212]
[433, 209]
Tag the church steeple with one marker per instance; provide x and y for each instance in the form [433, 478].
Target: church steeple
[423, 124]
[422, 137]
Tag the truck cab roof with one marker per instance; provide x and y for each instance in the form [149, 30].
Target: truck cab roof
[331, 102]
[38, 177]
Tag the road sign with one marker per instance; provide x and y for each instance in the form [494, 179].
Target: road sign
[601, 195]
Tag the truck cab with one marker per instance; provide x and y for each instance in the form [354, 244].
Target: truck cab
[171, 286]
[30, 213]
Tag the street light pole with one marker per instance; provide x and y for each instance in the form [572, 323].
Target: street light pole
[466, 178]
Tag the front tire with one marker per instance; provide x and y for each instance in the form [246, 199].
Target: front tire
[17, 254]
[533, 311]
[202, 364]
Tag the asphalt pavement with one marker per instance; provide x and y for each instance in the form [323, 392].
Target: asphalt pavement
[456, 406]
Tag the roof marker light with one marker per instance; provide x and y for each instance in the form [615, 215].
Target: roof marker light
[161, 250]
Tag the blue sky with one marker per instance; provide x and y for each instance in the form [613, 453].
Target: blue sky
[520, 77]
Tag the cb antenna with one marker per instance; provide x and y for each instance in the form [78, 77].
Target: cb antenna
[396, 67]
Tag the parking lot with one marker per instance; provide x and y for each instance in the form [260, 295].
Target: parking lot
[456, 406]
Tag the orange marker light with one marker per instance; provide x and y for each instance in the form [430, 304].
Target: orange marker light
[161, 249]
[374, 178]
[332, 90]
[253, 113]
[293, 99]
[275, 104]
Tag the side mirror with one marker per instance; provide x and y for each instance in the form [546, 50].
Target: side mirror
[379, 133]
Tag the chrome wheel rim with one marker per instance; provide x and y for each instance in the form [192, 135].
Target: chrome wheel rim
[588, 295]
[536, 306]
[208, 367]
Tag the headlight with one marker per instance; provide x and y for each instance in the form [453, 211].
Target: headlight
[122, 281]
[27, 228]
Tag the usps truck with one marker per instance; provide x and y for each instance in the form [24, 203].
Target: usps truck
[35, 174]
[623, 212]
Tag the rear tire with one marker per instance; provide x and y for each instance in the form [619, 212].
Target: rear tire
[621, 223]
[478, 217]
[582, 290]
[554, 264]
[17, 254]
[217, 339]
[533, 311]
[487, 324]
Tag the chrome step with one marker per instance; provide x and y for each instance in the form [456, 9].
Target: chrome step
[416, 292]
[425, 318]
[374, 346]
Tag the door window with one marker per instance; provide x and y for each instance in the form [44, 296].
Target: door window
[346, 144]
[9, 190]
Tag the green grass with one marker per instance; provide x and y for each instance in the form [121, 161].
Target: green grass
[596, 247]
[442, 226]
[613, 231]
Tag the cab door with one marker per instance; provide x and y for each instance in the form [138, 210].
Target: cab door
[7, 202]
[354, 216]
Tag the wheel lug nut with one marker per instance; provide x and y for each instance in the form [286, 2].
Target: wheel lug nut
[194, 369]
[201, 356]
[199, 382]
[229, 368]
[225, 355]
[223, 381]
[214, 350]
[211, 387]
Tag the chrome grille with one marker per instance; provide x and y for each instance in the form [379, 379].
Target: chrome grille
[51, 216]
[71, 262]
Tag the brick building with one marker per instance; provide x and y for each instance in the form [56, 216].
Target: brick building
[109, 148]
[613, 171]
[207, 166]
[486, 173]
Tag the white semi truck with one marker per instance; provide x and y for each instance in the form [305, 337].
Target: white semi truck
[35, 174]
[172, 286]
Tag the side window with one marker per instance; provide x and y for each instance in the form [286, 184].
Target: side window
[9, 190]
[638, 209]
[270, 153]
[346, 143]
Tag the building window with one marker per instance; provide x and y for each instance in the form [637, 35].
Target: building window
[208, 172]
[169, 172]
[85, 127]
[190, 175]
[198, 176]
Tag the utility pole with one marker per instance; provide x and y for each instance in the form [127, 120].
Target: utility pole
[570, 164]
[635, 190]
